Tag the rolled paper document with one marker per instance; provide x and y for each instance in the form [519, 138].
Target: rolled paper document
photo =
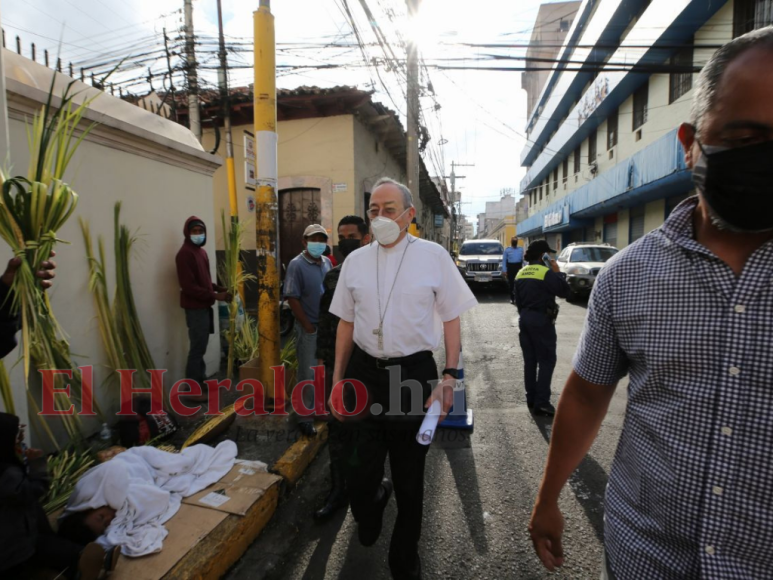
[429, 424]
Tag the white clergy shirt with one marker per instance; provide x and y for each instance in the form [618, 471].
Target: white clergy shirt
[428, 290]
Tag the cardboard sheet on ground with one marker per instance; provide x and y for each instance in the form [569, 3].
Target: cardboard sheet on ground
[187, 528]
[235, 492]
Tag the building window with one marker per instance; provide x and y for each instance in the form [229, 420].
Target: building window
[750, 15]
[681, 82]
[636, 228]
[612, 130]
[540, 192]
[577, 160]
[592, 147]
[565, 171]
[555, 179]
[564, 25]
[640, 101]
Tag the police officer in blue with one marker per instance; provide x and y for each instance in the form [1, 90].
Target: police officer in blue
[536, 288]
[512, 260]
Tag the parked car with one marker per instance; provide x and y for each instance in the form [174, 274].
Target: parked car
[480, 262]
[581, 262]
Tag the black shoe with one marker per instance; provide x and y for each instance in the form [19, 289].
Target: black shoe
[336, 500]
[369, 531]
[401, 574]
[530, 405]
[307, 428]
[545, 409]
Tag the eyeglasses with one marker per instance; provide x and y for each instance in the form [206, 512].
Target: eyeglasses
[387, 212]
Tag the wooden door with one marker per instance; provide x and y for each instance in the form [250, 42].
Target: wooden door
[298, 208]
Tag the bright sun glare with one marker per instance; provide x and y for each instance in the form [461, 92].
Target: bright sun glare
[426, 28]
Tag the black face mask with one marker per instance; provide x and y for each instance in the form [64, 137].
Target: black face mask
[737, 184]
[346, 247]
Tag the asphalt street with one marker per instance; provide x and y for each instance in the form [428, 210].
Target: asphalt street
[480, 486]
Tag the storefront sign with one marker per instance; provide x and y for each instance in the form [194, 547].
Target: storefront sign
[438, 221]
[553, 218]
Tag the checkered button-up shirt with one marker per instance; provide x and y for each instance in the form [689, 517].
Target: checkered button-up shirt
[690, 492]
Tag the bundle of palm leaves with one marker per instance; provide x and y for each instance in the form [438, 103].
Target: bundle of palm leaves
[119, 323]
[5, 390]
[64, 470]
[32, 210]
[233, 276]
[245, 344]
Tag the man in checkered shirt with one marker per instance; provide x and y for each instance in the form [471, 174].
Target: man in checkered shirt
[688, 312]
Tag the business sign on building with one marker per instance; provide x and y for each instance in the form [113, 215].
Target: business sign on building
[438, 221]
[593, 98]
[555, 218]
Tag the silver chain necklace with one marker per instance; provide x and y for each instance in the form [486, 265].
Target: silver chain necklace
[381, 315]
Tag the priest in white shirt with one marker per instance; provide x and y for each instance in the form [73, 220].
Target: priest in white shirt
[396, 298]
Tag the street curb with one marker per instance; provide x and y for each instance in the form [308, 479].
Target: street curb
[299, 455]
[227, 543]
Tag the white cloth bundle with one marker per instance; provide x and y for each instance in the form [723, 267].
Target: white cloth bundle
[145, 486]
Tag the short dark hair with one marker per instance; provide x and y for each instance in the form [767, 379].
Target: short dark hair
[73, 527]
[354, 220]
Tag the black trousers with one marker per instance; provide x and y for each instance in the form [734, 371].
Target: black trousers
[199, 323]
[369, 441]
[538, 344]
[512, 272]
[51, 552]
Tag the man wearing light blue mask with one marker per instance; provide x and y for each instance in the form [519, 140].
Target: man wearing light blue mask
[303, 290]
[197, 295]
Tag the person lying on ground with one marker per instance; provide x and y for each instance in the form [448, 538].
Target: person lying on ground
[127, 500]
[26, 538]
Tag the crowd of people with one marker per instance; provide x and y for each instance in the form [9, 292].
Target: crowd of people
[685, 312]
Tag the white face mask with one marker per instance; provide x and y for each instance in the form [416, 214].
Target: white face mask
[385, 230]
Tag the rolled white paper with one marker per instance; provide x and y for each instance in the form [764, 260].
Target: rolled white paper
[429, 424]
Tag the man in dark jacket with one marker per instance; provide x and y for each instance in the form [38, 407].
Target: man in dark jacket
[536, 289]
[352, 234]
[197, 295]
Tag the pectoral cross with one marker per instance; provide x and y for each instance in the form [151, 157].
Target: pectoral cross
[380, 333]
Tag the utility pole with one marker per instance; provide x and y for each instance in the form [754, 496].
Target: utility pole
[457, 201]
[226, 102]
[171, 78]
[412, 116]
[194, 117]
[266, 206]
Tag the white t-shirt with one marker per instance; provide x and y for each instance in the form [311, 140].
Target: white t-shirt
[428, 291]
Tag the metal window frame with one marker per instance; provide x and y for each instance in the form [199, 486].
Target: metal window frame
[641, 99]
[612, 129]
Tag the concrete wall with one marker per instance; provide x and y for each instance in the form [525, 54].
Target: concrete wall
[373, 161]
[320, 152]
[159, 172]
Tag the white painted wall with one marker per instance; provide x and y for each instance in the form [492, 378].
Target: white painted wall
[162, 176]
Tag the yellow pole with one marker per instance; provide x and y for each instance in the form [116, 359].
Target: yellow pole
[266, 206]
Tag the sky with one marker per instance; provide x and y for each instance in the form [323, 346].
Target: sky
[474, 117]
